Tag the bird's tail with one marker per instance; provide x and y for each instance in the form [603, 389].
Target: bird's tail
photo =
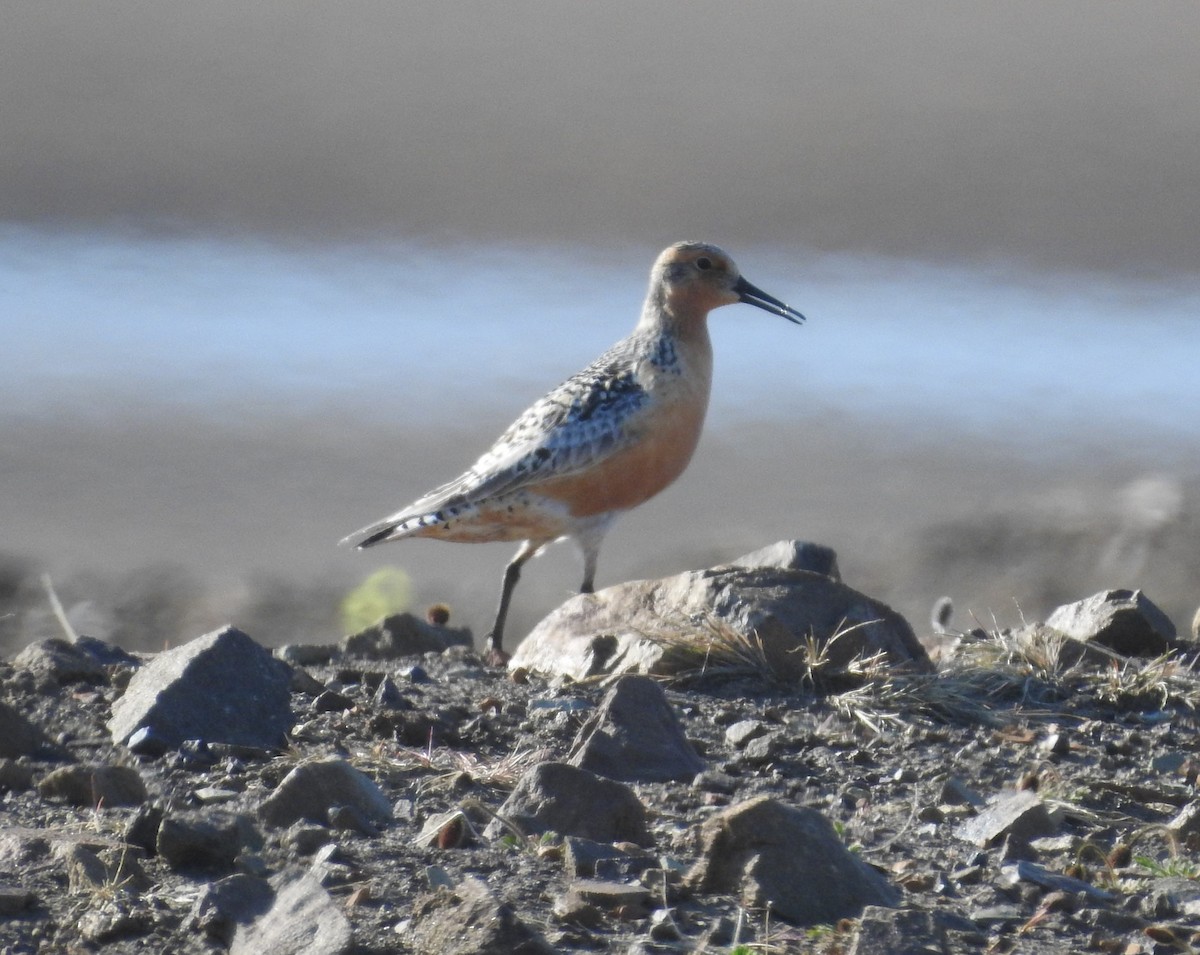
[374, 534]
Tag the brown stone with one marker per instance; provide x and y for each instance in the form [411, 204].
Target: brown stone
[788, 859]
[676, 624]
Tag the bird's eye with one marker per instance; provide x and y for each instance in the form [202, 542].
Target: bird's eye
[703, 263]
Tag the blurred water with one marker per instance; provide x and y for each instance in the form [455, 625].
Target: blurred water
[185, 320]
[188, 425]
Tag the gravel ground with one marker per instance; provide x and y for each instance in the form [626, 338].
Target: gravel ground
[1017, 806]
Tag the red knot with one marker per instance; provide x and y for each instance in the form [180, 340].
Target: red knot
[602, 442]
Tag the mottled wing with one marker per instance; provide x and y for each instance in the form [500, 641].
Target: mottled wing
[574, 427]
[571, 429]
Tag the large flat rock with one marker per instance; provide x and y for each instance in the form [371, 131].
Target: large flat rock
[666, 626]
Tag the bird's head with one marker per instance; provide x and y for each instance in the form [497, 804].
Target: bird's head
[692, 278]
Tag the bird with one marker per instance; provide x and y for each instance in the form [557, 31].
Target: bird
[604, 441]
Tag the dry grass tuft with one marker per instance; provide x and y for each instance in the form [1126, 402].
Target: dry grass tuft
[1034, 670]
[446, 765]
[704, 647]
[869, 688]
[1029, 666]
[1165, 680]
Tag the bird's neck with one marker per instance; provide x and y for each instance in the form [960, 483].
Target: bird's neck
[677, 347]
[673, 315]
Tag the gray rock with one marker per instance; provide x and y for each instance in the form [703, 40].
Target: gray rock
[414, 674]
[788, 858]
[968, 875]
[60, 661]
[1015, 815]
[388, 696]
[605, 895]
[582, 856]
[634, 736]
[677, 624]
[1169, 763]
[14, 776]
[884, 931]
[1056, 743]
[214, 795]
[712, 781]
[725, 932]
[306, 838]
[1186, 826]
[306, 654]
[556, 797]
[741, 732]
[223, 905]
[469, 920]
[1172, 898]
[112, 919]
[222, 687]
[761, 750]
[304, 682]
[144, 742]
[109, 870]
[313, 788]
[792, 555]
[15, 900]
[331, 701]
[331, 866]
[555, 706]
[94, 785]
[105, 653]
[204, 838]
[23, 848]
[402, 635]
[352, 819]
[1017, 848]
[1125, 621]
[85, 871]
[993, 915]
[18, 736]
[570, 909]
[301, 920]
[956, 792]
[142, 829]
[1026, 871]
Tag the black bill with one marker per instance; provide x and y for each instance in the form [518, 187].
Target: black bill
[752, 295]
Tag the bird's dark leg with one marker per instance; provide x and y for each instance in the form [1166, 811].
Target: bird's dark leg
[512, 573]
[590, 545]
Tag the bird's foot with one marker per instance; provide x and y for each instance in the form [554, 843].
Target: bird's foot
[495, 656]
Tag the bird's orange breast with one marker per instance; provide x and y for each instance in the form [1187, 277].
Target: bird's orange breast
[651, 460]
